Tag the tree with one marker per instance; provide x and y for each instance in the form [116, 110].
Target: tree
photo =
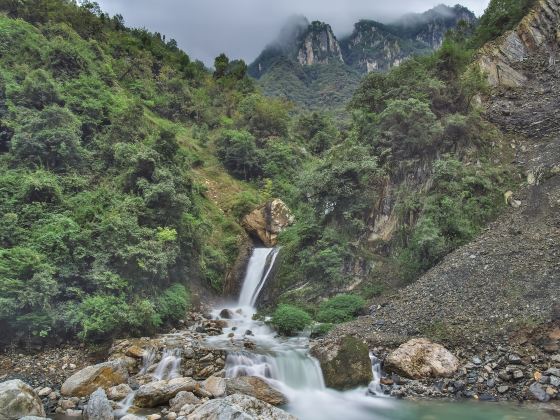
[317, 132]
[238, 152]
[49, 138]
[221, 64]
[39, 90]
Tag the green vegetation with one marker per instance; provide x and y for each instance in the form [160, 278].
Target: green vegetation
[288, 319]
[341, 308]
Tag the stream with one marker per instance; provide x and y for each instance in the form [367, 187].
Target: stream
[286, 365]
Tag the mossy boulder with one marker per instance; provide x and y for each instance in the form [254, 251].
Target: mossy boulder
[345, 362]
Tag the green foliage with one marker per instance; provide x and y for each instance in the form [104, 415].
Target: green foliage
[317, 132]
[341, 308]
[238, 152]
[288, 320]
[173, 303]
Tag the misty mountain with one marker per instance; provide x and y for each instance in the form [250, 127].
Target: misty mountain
[309, 65]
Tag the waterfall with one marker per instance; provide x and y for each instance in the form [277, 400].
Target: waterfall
[259, 268]
[375, 385]
[168, 367]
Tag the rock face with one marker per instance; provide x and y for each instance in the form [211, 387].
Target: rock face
[118, 392]
[266, 222]
[255, 387]
[420, 358]
[87, 380]
[160, 392]
[17, 399]
[537, 30]
[98, 407]
[215, 386]
[319, 46]
[240, 407]
[345, 363]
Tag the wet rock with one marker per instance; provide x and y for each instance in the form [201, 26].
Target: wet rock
[119, 392]
[242, 407]
[43, 392]
[345, 362]
[215, 386]
[131, 417]
[255, 387]
[17, 399]
[135, 351]
[160, 392]
[98, 407]
[181, 399]
[266, 222]
[87, 380]
[538, 392]
[34, 418]
[503, 389]
[420, 358]
[226, 314]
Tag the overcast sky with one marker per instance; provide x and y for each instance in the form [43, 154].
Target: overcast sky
[242, 28]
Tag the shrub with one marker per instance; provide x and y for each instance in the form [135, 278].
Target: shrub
[288, 319]
[173, 303]
[320, 330]
[238, 152]
[341, 308]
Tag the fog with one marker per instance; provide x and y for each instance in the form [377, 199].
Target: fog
[242, 28]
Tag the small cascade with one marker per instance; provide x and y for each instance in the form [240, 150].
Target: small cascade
[148, 359]
[125, 405]
[260, 266]
[169, 365]
[374, 386]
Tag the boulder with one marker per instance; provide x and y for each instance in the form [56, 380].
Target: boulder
[238, 407]
[131, 417]
[34, 418]
[345, 363]
[227, 314]
[87, 380]
[267, 221]
[17, 399]
[255, 387]
[419, 358]
[158, 393]
[98, 407]
[215, 386]
[119, 392]
[538, 392]
[181, 399]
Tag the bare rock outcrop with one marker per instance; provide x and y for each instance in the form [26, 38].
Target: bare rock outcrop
[17, 399]
[86, 381]
[267, 221]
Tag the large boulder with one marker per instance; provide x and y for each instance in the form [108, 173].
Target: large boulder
[181, 399]
[17, 399]
[238, 407]
[345, 362]
[160, 392]
[98, 407]
[267, 221]
[420, 358]
[86, 381]
[255, 387]
[215, 386]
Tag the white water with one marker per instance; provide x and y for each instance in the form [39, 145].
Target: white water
[285, 362]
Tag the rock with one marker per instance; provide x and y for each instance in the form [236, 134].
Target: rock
[153, 417]
[419, 358]
[119, 392]
[514, 359]
[67, 404]
[345, 363]
[215, 386]
[181, 399]
[171, 416]
[34, 418]
[555, 381]
[135, 351]
[73, 413]
[43, 392]
[160, 392]
[17, 399]
[266, 222]
[238, 407]
[517, 375]
[98, 407]
[131, 417]
[539, 393]
[553, 372]
[87, 380]
[503, 389]
[226, 314]
[255, 387]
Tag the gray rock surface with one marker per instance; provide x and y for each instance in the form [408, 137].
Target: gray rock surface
[238, 407]
[87, 380]
[98, 407]
[17, 399]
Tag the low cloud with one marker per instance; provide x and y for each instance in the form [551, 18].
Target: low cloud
[242, 28]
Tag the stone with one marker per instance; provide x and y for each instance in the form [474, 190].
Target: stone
[345, 363]
[17, 399]
[153, 417]
[43, 392]
[517, 375]
[87, 380]
[131, 417]
[553, 372]
[135, 351]
[171, 416]
[67, 404]
[555, 358]
[73, 413]
[215, 386]
[181, 399]
[158, 393]
[119, 392]
[34, 418]
[555, 381]
[98, 407]
[226, 314]
[514, 359]
[255, 387]
[419, 358]
[539, 393]
[503, 389]
[267, 221]
[239, 407]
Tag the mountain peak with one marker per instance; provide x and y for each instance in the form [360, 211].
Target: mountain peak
[318, 45]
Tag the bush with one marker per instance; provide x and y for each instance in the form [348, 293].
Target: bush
[341, 308]
[173, 303]
[288, 319]
[320, 330]
[238, 152]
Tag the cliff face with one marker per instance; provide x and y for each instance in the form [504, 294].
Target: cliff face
[319, 46]
[538, 32]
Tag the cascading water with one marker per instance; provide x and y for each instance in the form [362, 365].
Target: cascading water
[285, 362]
